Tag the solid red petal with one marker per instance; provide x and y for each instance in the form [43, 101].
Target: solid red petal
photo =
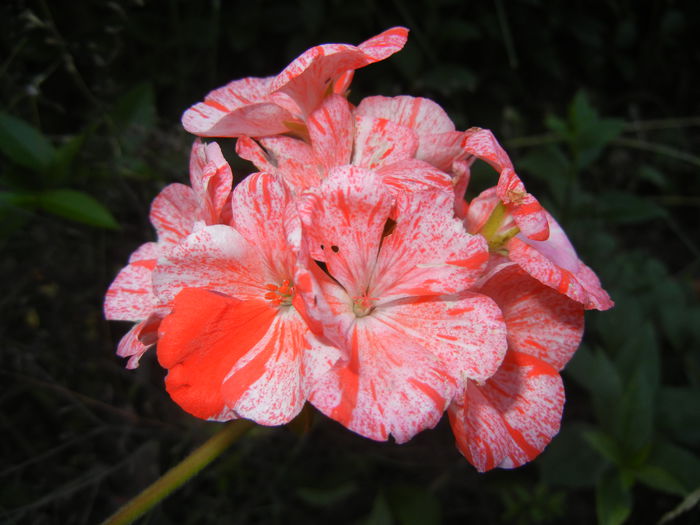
[202, 340]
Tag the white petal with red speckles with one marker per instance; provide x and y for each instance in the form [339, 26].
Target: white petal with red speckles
[390, 386]
[139, 339]
[414, 175]
[215, 258]
[482, 144]
[130, 296]
[541, 322]
[429, 252]
[422, 115]
[260, 212]
[316, 70]
[526, 210]
[174, 212]
[241, 107]
[516, 414]
[343, 223]
[331, 129]
[380, 142]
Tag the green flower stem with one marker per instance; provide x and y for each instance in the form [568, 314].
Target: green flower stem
[180, 473]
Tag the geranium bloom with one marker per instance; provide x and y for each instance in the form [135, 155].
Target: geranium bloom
[509, 419]
[234, 344]
[394, 302]
[268, 106]
[175, 213]
[516, 226]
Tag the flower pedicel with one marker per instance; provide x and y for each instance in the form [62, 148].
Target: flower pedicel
[351, 273]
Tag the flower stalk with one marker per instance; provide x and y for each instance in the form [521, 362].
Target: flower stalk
[180, 473]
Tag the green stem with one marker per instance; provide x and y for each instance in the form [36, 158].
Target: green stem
[180, 473]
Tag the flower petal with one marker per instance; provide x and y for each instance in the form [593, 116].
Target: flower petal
[380, 142]
[242, 107]
[343, 223]
[422, 115]
[309, 76]
[541, 322]
[214, 258]
[389, 386]
[515, 416]
[139, 339]
[331, 128]
[429, 251]
[211, 179]
[174, 212]
[130, 296]
[414, 175]
[201, 341]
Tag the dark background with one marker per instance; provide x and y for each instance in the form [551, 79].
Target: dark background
[597, 103]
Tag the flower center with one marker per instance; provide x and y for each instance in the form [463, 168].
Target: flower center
[363, 305]
[280, 295]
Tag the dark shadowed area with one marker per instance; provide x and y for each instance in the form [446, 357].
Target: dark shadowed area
[597, 105]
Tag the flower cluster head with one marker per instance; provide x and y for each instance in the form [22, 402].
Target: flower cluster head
[351, 273]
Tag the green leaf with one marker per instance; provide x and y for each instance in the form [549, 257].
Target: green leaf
[24, 144]
[64, 158]
[133, 116]
[76, 206]
[680, 466]
[635, 425]
[613, 499]
[414, 505]
[604, 444]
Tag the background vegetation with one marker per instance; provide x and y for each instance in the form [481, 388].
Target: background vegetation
[597, 104]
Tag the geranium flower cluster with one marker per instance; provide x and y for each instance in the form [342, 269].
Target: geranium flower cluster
[351, 273]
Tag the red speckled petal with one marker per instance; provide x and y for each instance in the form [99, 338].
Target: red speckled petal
[343, 223]
[202, 340]
[331, 128]
[516, 416]
[139, 339]
[260, 213]
[465, 331]
[482, 144]
[380, 142]
[211, 179]
[541, 322]
[242, 107]
[429, 251]
[214, 258]
[414, 175]
[130, 296]
[174, 212]
[292, 159]
[422, 115]
[309, 76]
[389, 386]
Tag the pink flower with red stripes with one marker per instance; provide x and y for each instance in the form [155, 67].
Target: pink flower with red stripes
[351, 272]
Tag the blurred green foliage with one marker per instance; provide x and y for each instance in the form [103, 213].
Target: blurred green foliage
[597, 106]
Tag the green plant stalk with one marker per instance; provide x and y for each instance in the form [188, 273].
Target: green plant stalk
[180, 473]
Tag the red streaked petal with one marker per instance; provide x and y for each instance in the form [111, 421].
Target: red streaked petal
[385, 44]
[482, 144]
[215, 258]
[541, 322]
[343, 223]
[508, 421]
[242, 107]
[466, 332]
[331, 129]
[260, 212]
[429, 252]
[389, 386]
[414, 175]
[211, 178]
[381, 142]
[202, 340]
[422, 115]
[130, 296]
[174, 212]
